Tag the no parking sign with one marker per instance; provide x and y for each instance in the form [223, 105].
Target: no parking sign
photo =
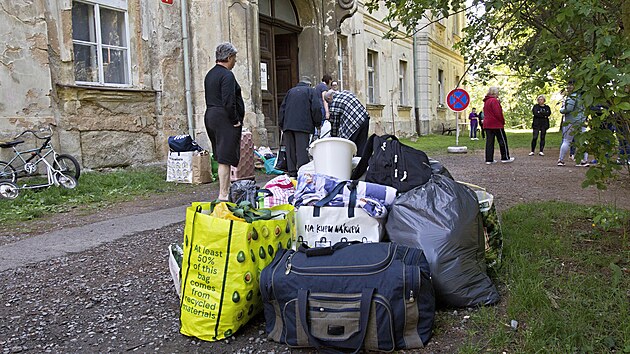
[457, 100]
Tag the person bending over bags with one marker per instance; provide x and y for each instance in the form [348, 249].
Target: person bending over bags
[348, 118]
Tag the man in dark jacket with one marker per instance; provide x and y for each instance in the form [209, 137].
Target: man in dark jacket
[300, 113]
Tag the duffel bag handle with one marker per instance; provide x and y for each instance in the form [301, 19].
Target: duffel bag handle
[352, 185]
[325, 251]
[354, 343]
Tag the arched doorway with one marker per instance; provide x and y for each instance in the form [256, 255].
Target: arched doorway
[279, 30]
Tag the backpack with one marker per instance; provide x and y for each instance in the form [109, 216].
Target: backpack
[391, 163]
[183, 143]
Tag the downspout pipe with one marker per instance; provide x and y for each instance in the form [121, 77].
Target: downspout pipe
[189, 106]
[416, 98]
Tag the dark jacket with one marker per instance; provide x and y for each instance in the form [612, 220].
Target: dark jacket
[222, 90]
[301, 109]
[541, 117]
[493, 113]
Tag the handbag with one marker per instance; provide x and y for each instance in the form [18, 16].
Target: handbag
[321, 225]
[389, 162]
[183, 143]
[281, 159]
[222, 261]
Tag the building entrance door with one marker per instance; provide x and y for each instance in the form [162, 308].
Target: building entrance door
[279, 59]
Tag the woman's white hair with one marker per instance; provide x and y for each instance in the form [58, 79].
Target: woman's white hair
[224, 51]
[541, 96]
[493, 91]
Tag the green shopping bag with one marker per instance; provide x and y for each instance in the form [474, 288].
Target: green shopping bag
[491, 226]
[221, 267]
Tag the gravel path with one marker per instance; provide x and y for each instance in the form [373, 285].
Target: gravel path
[119, 296]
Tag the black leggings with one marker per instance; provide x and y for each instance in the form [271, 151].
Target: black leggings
[543, 132]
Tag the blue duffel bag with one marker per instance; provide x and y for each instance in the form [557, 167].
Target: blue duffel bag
[351, 296]
[183, 143]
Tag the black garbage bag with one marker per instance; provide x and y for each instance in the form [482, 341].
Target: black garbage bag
[442, 218]
[439, 169]
[243, 190]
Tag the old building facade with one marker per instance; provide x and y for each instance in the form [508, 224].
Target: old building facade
[118, 77]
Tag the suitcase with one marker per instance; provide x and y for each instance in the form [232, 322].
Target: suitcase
[245, 168]
[351, 296]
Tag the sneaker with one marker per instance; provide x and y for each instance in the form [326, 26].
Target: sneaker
[583, 163]
[560, 163]
[491, 162]
[541, 153]
[531, 153]
[511, 159]
[572, 157]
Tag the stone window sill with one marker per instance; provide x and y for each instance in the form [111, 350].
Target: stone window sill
[106, 88]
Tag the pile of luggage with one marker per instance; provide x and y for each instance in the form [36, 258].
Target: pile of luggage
[341, 262]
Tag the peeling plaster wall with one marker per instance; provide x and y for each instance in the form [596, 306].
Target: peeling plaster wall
[25, 80]
[234, 21]
[101, 126]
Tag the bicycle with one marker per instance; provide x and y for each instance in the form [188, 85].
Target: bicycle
[64, 170]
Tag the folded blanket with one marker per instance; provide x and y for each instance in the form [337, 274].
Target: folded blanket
[375, 199]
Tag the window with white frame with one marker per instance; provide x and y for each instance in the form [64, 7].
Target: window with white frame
[372, 67]
[100, 39]
[402, 82]
[440, 86]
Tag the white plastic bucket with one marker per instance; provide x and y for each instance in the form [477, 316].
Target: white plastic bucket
[333, 157]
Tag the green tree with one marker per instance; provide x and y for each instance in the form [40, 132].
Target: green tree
[547, 42]
[517, 96]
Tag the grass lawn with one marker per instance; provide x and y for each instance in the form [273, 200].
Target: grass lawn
[566, 282]
[437, 144]
[95, 190]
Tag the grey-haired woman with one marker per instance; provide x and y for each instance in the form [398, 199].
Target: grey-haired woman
[224, 114]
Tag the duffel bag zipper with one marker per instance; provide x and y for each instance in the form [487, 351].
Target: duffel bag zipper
[342, 270]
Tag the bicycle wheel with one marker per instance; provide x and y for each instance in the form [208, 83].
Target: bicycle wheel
[67, 163]
[65, 180]
[9, 190]
[7, 172]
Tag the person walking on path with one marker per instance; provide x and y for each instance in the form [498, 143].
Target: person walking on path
[300, 114]
[225, 110]
[573, 122]
[541, 113]
[348, 118]
[474, 122]
[493, 123]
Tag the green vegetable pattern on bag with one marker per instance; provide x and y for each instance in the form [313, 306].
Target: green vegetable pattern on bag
[494, 237]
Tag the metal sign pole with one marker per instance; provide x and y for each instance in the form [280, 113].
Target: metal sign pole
[457, 129]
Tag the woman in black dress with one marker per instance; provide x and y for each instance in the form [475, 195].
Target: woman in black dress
[541, 123]
[224, 114]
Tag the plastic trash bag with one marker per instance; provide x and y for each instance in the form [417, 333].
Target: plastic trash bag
[442, 218]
